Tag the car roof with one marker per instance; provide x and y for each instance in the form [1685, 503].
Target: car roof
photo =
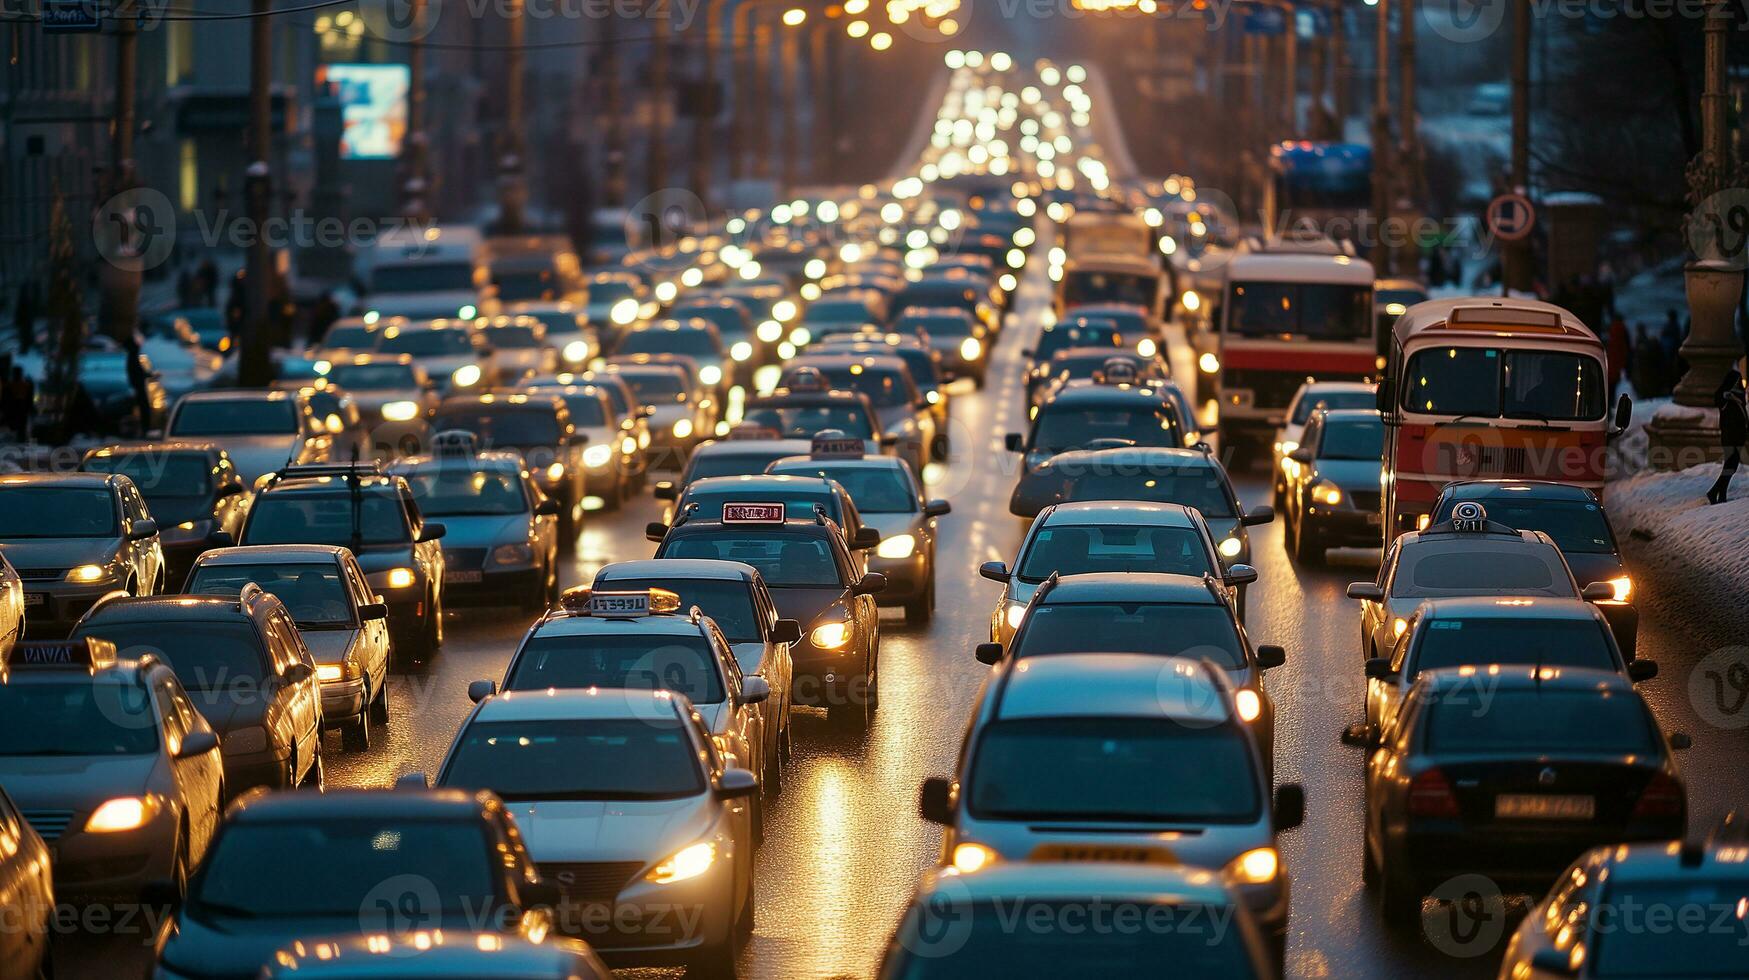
[1091, 512]
[1524, 677]
[253, 554]
[238, 394]
[1044, 880]
[1665, 862]
[558, 622]
[1163, 456]
[1522, 489]
[866, 461]
[1129, 685]
[1432, 536]
[678, 568]
[1351, 415]
[1129, 587]
[173, 608]
[1081, 390]
[1496, 607]
[343, 804]
[592, 703]
[760, 482]
[89, 481]
[369, 482]
[750, 447]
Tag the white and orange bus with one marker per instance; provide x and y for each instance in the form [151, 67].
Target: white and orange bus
[1486, 387]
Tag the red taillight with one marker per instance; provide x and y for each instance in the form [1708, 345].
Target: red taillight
[1662, 797]
[1430, 795]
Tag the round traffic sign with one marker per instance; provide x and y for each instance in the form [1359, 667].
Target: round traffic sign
[1511, 217]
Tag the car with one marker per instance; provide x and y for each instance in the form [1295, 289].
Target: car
[1561, 760]
[1090, 364]
[260, 430]
[374, 514]
[1312, 396]
[1484, 631]
[337, 411]
[535, 268]
[957, 292]
[734, 323]
[697, 339]
[1618, 911]
[959, 925]
[191, 490]
[568, 329]
[206, 324]
[428, 270]
[412, 954]
[680, 414]
[1072, 332]
[349, 337]
[1117, 757]
[384, 862]
[539, 429]
[816, 581]
[106, 759]
[1085, 415]
[28, 890]
[906, 421]
[1332, 495]
[923, 363]
[245, 667]
[1469, 555]
[1575, 520]
[392, 391]
[745, 451]
[1140, 328]
[704, 500]
[611, 454]
[889, 500]
[633, 416]
[72, 539]
[107, 379]
[451, 352]
[844, 311]
[616, 300]
[957, 335]
[519, 346]
[344, 626]
[807, 408]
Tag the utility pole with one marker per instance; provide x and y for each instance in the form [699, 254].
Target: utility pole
[1408, 164]
[761, 97]
[1382, 147]
[1290, 68]
[1516, 271]
[656, 150]
[254, 365]
[788, 108]
[512, 155]
[415, 183]
[120, 306]
[704, 110]
[823, 88]
[614, 178]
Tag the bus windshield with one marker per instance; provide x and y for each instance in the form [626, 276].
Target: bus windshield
[1316, 311]
[1484, 382]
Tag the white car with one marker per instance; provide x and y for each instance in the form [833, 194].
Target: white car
[1312, 396]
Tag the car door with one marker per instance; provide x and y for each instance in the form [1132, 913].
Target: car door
[185, 778]
[747, 722]
[299, 698]
[25, 889]
[373, 639]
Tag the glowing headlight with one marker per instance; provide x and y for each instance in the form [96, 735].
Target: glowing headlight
[1248, 704]
[577, 351]
[688, 862]
[121, 813]
[970, 349]
[185, 526]
[1230, 548]
[467, 311]
[329, 673]
[1257, 866]
[87, 573]
[624, 311]
[769, 332]
[897, 546]
[830, 636]
[1623, 586]
[1398, 626]
[466, 376]
[783, 311]
[683, 428]
[596, 457]
[1146, 347]
[1327, 493]
[814, 269]
[1015, 612]
[1208, 363]
[400, 578]
[741, 350]
[971, 857]
[556, 471]
[512, 554]
[932, 397]
[710, 374]
[1168, 245]
[1008, 282]
[628, 445]
[401, 411]
[800, 336]
[1286, 447]
[322, 367]
[666, 291]
[372, 316]
[1192, 301]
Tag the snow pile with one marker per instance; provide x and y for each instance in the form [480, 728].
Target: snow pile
[1698, 554]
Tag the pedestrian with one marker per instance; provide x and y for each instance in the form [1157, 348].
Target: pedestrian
[24, 316]
[18, 402]
[237, 304]
[1733, 429]
[1606, 288]
[322, 316]
[1648, 376]
[1620, 353]
[206, 281]
[137, 382]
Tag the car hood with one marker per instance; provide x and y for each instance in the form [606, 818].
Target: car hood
[1351, 474]
[891, 524]
[330, 646]
[59, 552]
[1594, 567]
[74, 782]
[256, 456]
[482, 531]
[610, 830]
[668, 413]
[804, 605]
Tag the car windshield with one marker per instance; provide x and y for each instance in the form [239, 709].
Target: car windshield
[519, 285]
[937, 294]
[986, 942]
[1075, 549]
[532, 425]
[1359, 439]
[422, 277]
[609, 291]
[696, 343]
[1539, 385]
[654, 387]
[1092, 333]
[1513, 640]
[512, 338]
[1668, 952]
[785, 559]
[235, 417]
[1163, 629]
[884, 387]
[839, 311]
[336, 867]
[56, 512]
[728, 319]
[313, 592]
[706, 464]
[727, 601]
[586, 407]
[1199, 487]
[81, 715]
[1311, 402]
[639, 661]
[1576, 526]
[1113, 768]
[328, 518]
[1315, 311]
[159, 474]
[374, 377]
[1429, 571]
[938, 326]
[802, 421]
[577, 759]
[1061, 427]
[428, 343]
[455, 489]
[1087, 286]
[874, 489]
[207, 655]
[1529, 722]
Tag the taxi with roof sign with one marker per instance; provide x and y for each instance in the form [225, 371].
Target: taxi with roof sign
[642, 639]
[816, 580]
[704, 500]
[109, 761]
[890, 502]
[807, 406]
[744, 451]
[905, 418]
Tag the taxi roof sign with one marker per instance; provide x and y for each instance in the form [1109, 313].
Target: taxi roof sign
[1118, 370]
[455, 442]
[807, 378]
[1469, 516]
[630, 603]
[764, 512]
[751, 431]
[834, 444]
[89, 652]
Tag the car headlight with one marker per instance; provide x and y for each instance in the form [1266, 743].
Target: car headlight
[666, 291]
[800, 336]
[512, 554]
[769, 332]
[783, 310]
[683, 428]
[897, 546]
[970, 348]
[87, 573]
[969, 857]
[1248, 703]
[624, 311]
[1146, 347]
[555, 472]
[245, 740]
[1015, 612]
[1624, 587]
[1230, 547]
[467, 311]
[466, 376]
[121, 813]
[688, 862]
[741, 350]
[710, 374]
[1398, 626]
[1258, 866]
[830, 636]
[1325, 492]
[329, 673]
[399, 578]
[628, 445]
[1208, 362]
[577, 351]
[1193, 302]
[1286, 447]
[596, 457]
[932, 397]
[402, 411]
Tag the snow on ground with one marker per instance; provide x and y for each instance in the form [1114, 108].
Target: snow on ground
[1698, 552]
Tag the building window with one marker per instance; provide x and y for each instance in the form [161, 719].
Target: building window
[188, 177]
[179, 58]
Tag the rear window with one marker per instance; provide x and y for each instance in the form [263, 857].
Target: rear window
[638, 661]
[1480, 568]
[1073, 549]
[1496, 640]
[785, 560]
[1153, 628]
[1197, 487]
[1479, 720]
[1576, 526]
[235, 417]
[78, 716]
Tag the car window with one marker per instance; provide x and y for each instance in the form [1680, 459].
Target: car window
[1074, 549]
[1061, 427]
[875, 489]
[1502, 640]
[1480, 568]
[1577, 527]
[207, 655]
[457, 489]
[573, 759]
[727, 601]
[682, 664]
[329, 518]
[1158, 629]
[57, 512]
[785, 560]
[1532, 722]
[312, 591]
[110, 715]
[1198, 487]
[235, 417]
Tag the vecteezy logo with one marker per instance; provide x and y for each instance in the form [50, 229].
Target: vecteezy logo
[1717, 230]
[399, 906]
[399, 20]
[1718, 687]
[942, 923]
[135, 230]
[919, 25]
[1471, 916]
[661, 221]
[1464, 21]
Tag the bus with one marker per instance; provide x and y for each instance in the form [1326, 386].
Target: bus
[1490, 388]
[1129, 278]
[1322, 185]
[1290, 312]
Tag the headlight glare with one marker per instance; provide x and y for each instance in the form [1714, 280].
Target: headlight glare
[512, 554]
[329, 673]
[401, 411]
[970, 348]
[1248, 703]
[710, 374]
[121, 813]
[1258, 866]
[1015, 612]
[897, 546]
[597, 456]
[741, 350]
[400, 578]
[466, 376]
[87, 573]
[688, 862]
[1624, 587]
[830, 636]
[969, 857]
[1230, 547]
[577, 351]
[683, 428]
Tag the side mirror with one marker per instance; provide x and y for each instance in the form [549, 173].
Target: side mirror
[995, 571]
[1290, 806]
[865, 539]
[481, 690]
[413, 780]
[221, 539]
[666, 490]
[1680, 741]
[1624, 412]
[1553, 962]
[655, 531]
[373, 610]
[1240, 575]
[1258, 515]
[298, 673]
[786, 631]
[736, 784]
[1302, 455]
[547, 508]
[1379, 669]
[988, 653]
[196, 744]
[1597, 592]
[1642, 670]
[937, 508]
[1015, 442]
[142, 529]
[1366, 591]
[432, 531]
[935, 800]
[1269, 655]
[755, 690]
[1358, 735]
[871, 583]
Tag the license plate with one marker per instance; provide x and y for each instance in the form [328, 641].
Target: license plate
[35, 599]
[1104, 852]
[463, 577]
[1544, 806]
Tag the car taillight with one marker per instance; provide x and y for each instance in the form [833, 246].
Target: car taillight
[1430, 795]
[1662, 797]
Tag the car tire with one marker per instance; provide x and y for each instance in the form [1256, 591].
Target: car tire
[1309, 547]
[1399, 903]
[921, 610]
[379, 710]
[355, 733]
[786, 739]
[317, 778]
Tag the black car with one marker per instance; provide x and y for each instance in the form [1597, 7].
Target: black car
[1078, 331]
[1087, 363]
[194, 493]
[1087, 416]
[1512, 772]
[1332, 495]
[540, 428]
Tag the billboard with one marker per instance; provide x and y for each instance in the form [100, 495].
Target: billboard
[374, 108]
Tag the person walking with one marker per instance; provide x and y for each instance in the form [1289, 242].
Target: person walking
[136, 370]
[1733, 429]
[1620, 353]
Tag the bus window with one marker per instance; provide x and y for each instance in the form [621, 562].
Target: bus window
[1551, 386]
[1313, 310]
[1454, 381]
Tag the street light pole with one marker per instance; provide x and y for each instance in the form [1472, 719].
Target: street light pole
[656, 148]
[1516, 273]
[254, 366]
[415, 187]
[1382, 170]
[512, 165]
[120, 306]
